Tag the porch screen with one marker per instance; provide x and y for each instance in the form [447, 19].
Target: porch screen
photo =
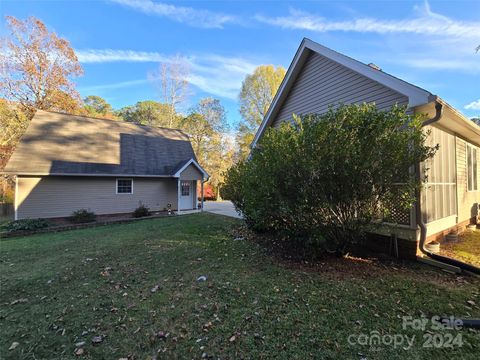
[439, 193]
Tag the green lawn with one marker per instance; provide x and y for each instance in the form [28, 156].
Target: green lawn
[65, 288]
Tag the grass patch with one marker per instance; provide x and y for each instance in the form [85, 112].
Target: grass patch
[467, 249]
[135, 286]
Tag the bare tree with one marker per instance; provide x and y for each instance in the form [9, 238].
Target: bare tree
[171, 79]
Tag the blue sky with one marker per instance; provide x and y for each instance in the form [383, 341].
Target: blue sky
[431, 44]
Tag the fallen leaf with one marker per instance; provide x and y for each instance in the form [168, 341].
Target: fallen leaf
[471, 302]
[97, 339]
[18, 301]
[233, 338]
[14, 345]
[79, 351]
[154, 289]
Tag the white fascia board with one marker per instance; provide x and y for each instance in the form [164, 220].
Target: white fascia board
[416, 96]
[284, 86]
[197, 165]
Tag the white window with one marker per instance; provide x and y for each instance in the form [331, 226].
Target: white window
[185, 185]
[124, 186]
[472, 173]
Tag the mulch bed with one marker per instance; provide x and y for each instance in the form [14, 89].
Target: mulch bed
[64, 224]
[360, 263]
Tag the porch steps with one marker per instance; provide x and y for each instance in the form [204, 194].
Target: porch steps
[443, 266]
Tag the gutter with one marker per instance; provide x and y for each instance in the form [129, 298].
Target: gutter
[418, 211]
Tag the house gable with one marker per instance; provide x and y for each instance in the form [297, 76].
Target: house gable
[191, 172]
[300, 94]
[323, 82]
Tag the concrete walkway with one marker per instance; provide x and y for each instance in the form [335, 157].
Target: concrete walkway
[222, 208]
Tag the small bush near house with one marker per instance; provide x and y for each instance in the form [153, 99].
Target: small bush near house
[319, 182]
[25, 225]
[82, 216]
[141, 211]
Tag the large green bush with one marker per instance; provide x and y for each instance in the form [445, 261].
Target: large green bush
[320, 182]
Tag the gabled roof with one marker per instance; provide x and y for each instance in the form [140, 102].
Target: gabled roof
[62, 144]
[184, 164]
[416, 95]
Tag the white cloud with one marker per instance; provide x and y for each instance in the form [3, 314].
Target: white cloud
[474, 105]
[452, 63]
[219, 75]
[109, 55]
[214, 74]
[193, 17]
[426, 40]
[425, 23]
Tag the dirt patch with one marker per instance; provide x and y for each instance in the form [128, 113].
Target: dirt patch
[101, 218]
[359, 264]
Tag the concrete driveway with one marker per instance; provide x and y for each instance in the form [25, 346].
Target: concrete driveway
[222, 208]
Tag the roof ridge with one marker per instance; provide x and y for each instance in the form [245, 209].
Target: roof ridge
[364, 64]
[106, 119]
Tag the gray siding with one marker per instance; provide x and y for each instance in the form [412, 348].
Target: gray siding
[323, 82]
[44, 197]
[191, 173]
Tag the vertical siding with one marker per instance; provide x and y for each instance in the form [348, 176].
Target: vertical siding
[191, 173]
[466, 199]
[43, 197]
[323, 82]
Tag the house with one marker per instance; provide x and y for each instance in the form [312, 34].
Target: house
[319, 77]
[64, 163]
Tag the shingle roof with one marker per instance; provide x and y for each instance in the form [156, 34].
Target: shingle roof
[62, 144]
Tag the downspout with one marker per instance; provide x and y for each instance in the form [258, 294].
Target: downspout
[418, 210]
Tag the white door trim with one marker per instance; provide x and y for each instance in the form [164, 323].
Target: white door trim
[186, 201]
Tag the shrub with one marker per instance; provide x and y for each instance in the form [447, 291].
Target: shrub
[8, 197]
[141, 211]
[25, 225]
[82, 216]
[320, 181]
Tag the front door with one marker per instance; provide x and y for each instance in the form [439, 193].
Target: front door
[186, 195]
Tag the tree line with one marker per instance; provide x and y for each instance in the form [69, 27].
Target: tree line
[38, 72]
